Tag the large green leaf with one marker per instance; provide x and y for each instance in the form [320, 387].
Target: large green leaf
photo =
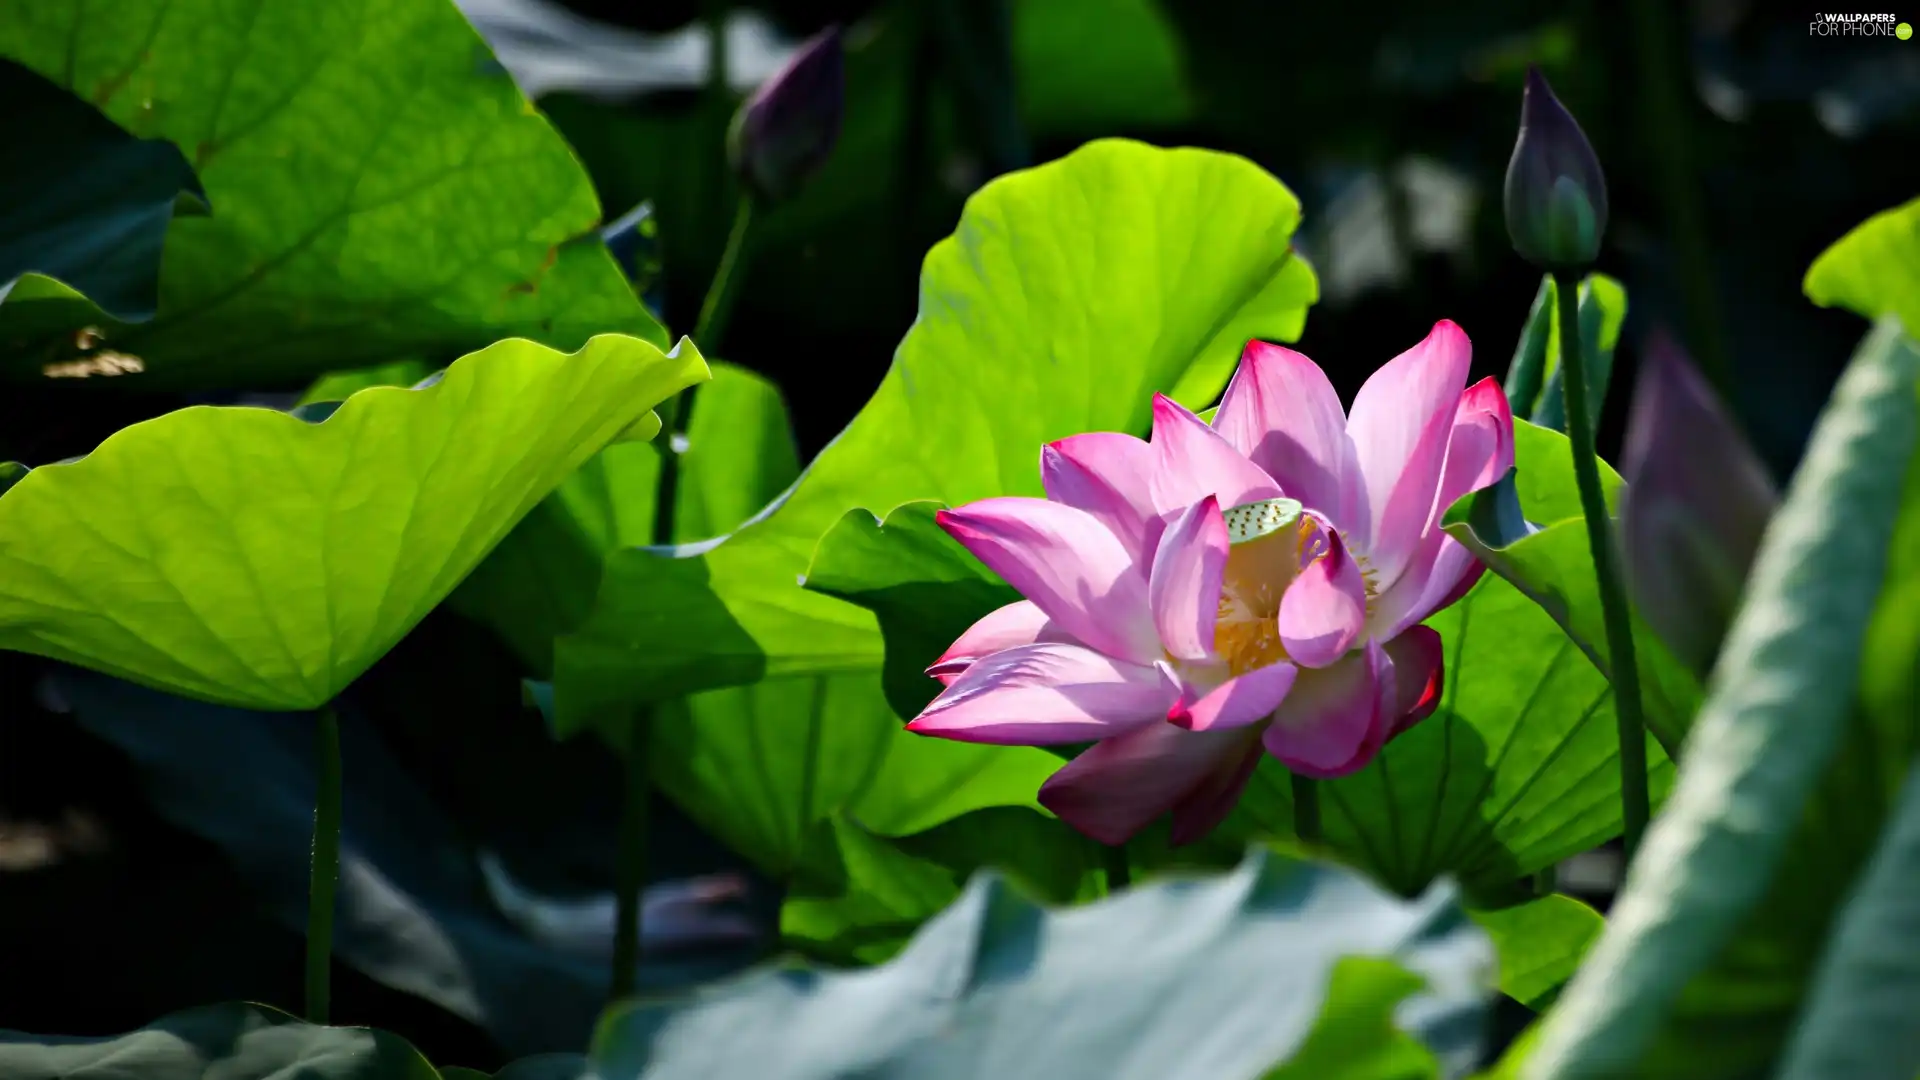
[251, 558]
[1603, 308]
[1070, 293]
[759, 766]
[231, 1041]
[81, 200]
[1874, 270]
[1695, 914]
[1889, 675]
[860, 896]
[1355, 1037]
[1517, 770]
[1859, 1017]
[1529, 529]
[1540, 943]
[765, 767]
[739, 454]
[1221, 978]
[382, 191]
[922, 586]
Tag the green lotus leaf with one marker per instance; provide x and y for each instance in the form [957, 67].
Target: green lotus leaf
[763, 767]
[1858, 1020]
[1603, 308]
[1517, 769]
[860, 897]
[1069, 295]
[540, 582]
[381, 191]
[1540, 942]
[1530, 530]
[248, 557]
[922, 586]
[1874, 270]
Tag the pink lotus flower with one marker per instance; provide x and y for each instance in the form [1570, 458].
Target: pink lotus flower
[1256, 583]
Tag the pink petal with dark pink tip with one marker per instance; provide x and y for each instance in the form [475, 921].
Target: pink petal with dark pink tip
[1401, 423]
[1106, 474]
[1184, 589]
[1336, 718]
[1120, 786]
[1072, 567]
[1480, 447]
[1419, 676]
[1046, 695]
[1242, 700]
[1018, 623]
[1479, 452]
[1323, 612]
[1283, 414]
[1192, 461]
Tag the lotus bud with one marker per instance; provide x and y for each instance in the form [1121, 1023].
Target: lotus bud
[1697, 500]
[1556, 197]
[786, 130]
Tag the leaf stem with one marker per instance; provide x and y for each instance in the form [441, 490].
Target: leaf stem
[630, 871]
[1119, 869]
[1306, 810]
[1623, 668]
[324, 874]
[718, 306]
[636, 809]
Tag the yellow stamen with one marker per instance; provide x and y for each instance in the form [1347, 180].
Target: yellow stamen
[1246, 629]
[1268, 547]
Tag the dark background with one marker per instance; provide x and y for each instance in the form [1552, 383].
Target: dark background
[1736, 146]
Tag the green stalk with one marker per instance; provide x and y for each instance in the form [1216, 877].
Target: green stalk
[1119, 870]
[630, 872]
[636, 810]
[718, 306]
[716, 20]
[1635, 807]
[1546, 880]
[1306, 810]
[324, 877]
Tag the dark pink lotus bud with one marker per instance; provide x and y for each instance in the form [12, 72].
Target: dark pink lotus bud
[1556, 196]
[1698, 499]
[786, 130]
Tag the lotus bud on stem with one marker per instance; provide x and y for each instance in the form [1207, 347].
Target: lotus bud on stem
[1556, 210]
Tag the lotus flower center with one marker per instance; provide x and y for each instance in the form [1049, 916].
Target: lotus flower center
[1268, 547]
[1270, 542]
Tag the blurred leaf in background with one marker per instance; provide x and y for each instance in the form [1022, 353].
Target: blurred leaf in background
[85, 203]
